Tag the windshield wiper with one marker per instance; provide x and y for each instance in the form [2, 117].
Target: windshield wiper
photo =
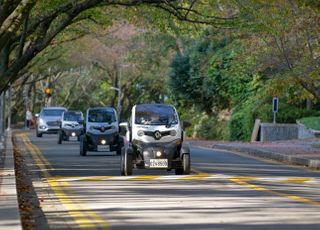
[169, 123]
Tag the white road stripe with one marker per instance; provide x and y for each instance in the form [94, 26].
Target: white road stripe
[308, 180]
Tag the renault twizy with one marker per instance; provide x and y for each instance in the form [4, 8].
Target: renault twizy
[101, 131]
[155, 140]
[70, 128]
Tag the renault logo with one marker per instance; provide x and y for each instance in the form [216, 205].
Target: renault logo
[157, 135]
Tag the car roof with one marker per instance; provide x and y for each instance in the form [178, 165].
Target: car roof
[72, 111]
[106, 107]
[154, 104]
[54, 108]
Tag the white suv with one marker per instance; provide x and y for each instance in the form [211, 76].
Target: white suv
[48, 120]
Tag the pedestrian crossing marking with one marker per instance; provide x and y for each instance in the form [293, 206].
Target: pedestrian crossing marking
[194, 177]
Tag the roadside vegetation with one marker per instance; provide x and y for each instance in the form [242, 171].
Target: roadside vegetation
[220, 62]
[311, 122]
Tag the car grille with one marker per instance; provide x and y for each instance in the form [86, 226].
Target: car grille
[53, 123]
[72, 125]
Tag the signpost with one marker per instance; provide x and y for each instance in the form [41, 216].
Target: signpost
[275, 106]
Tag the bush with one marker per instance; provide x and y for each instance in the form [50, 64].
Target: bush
[241, 124]
[311, 122]
[212, 128]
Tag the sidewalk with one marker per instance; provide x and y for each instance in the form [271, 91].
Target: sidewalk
[296, 152]
[9, 208]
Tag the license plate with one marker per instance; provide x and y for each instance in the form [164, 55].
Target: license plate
[71, 138]
[158, 163]
[104, 148]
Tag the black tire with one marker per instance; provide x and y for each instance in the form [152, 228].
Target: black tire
[186, 164]
[39, 134]
[126, 162]
[83, 146]
[185, 170]
[59, 138]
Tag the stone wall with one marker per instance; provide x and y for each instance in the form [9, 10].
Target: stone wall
[277, 132]
[304, 133]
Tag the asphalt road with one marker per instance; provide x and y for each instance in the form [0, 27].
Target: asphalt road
[228, 191]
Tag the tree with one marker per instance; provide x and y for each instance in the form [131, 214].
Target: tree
[27, 27]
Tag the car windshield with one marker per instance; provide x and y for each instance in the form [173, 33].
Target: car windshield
[155, 115]
[52, 112]
[101, 115]
[72, 116]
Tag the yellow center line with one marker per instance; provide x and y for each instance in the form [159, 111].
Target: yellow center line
[147, 177]
[296, 180]
[73, 209]
[98, 219]
[263, 189]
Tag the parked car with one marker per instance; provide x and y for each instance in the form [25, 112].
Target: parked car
[155, 140]
[70, 128]
[48, 120]
[101, 131]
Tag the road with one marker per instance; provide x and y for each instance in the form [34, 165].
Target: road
[227, 191]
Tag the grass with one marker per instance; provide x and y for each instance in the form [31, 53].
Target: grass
[311, 122]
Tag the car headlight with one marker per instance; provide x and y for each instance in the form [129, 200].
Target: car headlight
[140, 133]
[173, 132]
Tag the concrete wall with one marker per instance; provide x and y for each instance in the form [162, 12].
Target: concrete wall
[277, 132]
[303, 132]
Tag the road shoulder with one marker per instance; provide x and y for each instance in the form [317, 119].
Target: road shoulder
[9, 207]
[303, 155]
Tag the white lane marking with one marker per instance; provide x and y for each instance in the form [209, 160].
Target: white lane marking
[309, 180]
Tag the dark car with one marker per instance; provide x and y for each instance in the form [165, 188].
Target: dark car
[101, 131]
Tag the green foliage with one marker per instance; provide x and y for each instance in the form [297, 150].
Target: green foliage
[311, 122]
[199, 76]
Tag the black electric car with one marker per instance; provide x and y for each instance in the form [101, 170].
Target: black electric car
[155, 140]
[101, 131]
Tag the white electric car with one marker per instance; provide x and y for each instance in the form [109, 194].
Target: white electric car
[155, 140]
[101, 131]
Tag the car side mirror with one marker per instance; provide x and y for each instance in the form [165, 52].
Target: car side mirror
[186, 124]
[123, 128]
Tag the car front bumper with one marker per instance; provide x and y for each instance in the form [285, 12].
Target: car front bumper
[68, 132]
[48, 129]
[112, 139]
[168, 150]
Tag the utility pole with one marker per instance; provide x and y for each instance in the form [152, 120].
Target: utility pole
[9, 108]
[2, 117]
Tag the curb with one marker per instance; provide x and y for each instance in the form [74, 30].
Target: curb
[292, 160]
[9, 207]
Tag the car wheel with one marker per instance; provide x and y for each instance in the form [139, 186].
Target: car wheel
[83, 146]
[186, 164]
[185, 170]
[59, 137]
[126, 162]
[119, 151]
[39, 134]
